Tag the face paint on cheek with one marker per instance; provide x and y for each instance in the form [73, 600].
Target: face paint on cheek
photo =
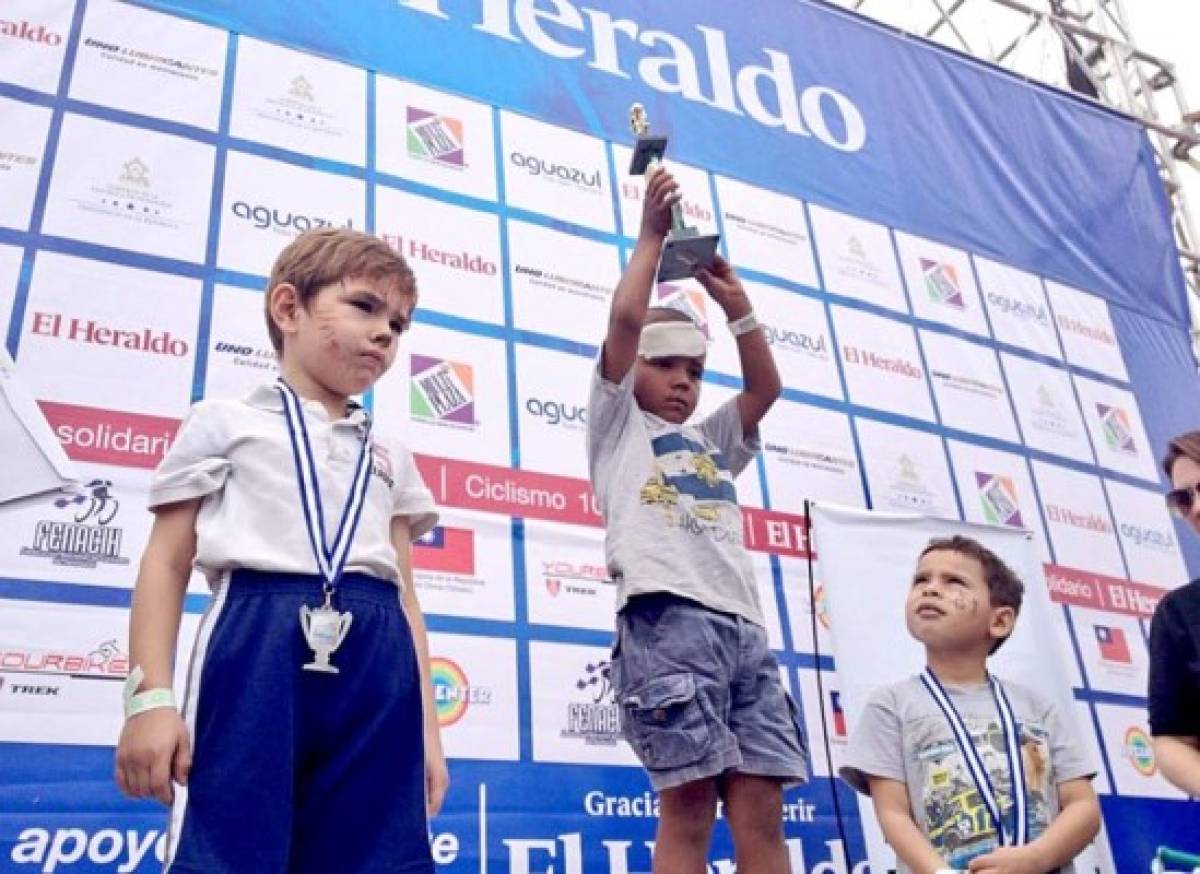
[965, 603]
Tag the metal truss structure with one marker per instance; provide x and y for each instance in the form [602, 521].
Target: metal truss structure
[1083, 46]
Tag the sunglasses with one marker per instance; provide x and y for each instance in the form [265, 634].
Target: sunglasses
[1181, 501]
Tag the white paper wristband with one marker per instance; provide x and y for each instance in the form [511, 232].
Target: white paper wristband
[744, 325]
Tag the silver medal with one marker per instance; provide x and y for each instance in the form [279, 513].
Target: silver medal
[324, 628]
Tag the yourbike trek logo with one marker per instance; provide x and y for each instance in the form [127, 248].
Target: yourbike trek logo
[998, 497]
[942, 285]
[83, 534]
[442, 391]
[435, 138]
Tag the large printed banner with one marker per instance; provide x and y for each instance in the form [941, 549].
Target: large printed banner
[968, 284]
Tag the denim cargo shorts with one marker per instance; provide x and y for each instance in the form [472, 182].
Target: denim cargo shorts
[700, 694]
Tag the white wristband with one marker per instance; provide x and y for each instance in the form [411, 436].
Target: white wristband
[139, 702]
[744, 325]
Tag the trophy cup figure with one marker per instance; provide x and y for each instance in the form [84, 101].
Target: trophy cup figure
[324, 629]
[685, 250]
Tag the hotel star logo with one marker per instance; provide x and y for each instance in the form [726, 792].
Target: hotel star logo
[441, 390]
[998, 495]
[941, 282]
[1118, 433]
[434, 137]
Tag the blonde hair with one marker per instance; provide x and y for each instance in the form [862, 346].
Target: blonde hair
[323, 256]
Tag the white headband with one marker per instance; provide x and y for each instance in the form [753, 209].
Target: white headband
[671, 339]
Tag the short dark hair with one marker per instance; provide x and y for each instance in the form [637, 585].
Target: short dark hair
[323, 256]
[1005, 588]
[1186, 445]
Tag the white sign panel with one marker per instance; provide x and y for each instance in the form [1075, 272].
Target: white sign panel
[906, 470]
[299, 102]
[857, 259]
[1016, 304]
[996, 489]
[1115, 424]
[552, 409]
[267, 204]
[22, 150]
[475, 695]
[1147, 534]
[941, 284]
[1077, 520]
[1085, 326]
[556, 172]
[767, 231]
[697, 203]
[882, 364]
[567, 582]
[131, 188]
[809, 455]
[454, 252]
[969, 387]
[33, 42]
[240, 354]
[463, 567]
[1046, 408]
[434, 138]
[150, 64]
[561, 284]
[447, 393]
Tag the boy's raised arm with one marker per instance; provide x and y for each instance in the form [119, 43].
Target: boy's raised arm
[632, 295]
[759, 374]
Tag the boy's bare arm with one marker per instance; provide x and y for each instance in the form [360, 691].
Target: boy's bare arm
[632, 295]
[154, 746]
[894, 813]
[759, 374]
[1076, 825]
[437, 776]
[1179, 759]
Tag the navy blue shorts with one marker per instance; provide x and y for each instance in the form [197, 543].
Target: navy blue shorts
[701, 696]
[296, 771]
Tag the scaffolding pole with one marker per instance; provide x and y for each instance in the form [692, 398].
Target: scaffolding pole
[1085, 46]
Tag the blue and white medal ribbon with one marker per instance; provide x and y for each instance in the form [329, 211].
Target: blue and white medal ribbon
[975, 766]
[324, 627]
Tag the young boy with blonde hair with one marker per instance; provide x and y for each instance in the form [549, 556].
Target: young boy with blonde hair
[306, 740]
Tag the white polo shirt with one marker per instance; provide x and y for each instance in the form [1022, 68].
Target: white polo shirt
[237, 456]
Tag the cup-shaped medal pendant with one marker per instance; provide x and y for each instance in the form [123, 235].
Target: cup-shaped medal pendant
[324, 629]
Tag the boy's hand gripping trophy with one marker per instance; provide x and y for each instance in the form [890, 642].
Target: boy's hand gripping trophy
[685, 249]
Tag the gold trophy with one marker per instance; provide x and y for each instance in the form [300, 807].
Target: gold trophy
[685, 249]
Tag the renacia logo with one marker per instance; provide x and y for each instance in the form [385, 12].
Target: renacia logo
[109, 436]
[418, 250]
[82, 536]
[435, 138]
[767, 93]
[1118, 433]
[442, 391]
[35, 33]
[47, 324]
[596, 721]
[941, 284]
[453, 694]
[998, 495]
[867, 358]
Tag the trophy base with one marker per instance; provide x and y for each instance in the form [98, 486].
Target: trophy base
[647, 149]
[683, 256]
[325, 668]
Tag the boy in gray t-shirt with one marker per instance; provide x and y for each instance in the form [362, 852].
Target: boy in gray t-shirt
[933, 751]
[701, 699]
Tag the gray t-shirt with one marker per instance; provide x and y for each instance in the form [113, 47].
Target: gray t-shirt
[903, 735]
[667, 495]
